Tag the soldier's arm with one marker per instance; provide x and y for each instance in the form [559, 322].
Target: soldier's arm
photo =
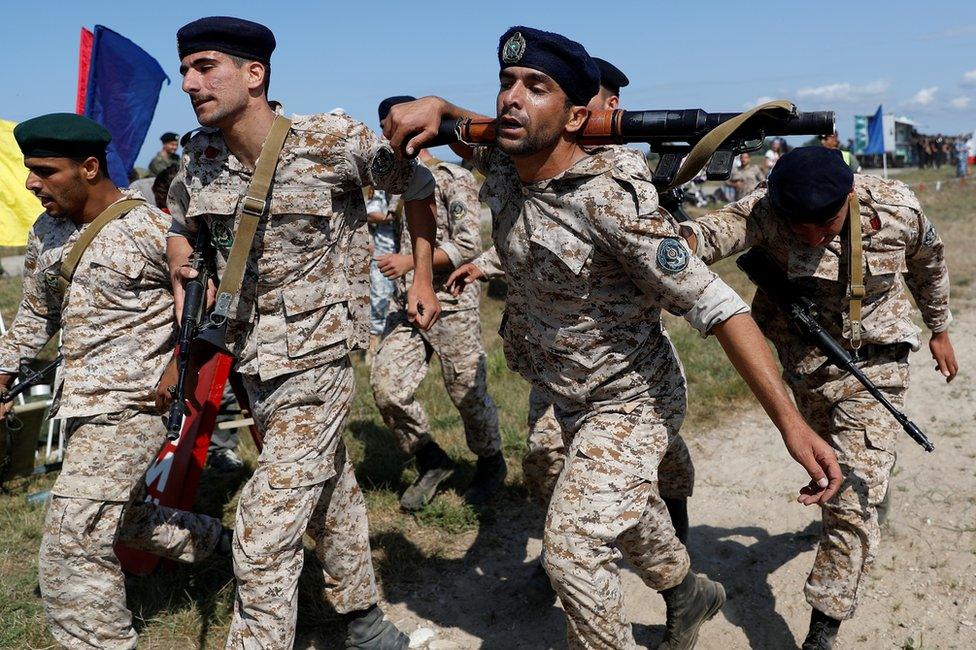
[928, 281]
[181, 231]
[464, 210]
[725, 232]
[410, 125]
[38, 316]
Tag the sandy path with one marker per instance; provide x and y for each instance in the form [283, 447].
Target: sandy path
[748, 533]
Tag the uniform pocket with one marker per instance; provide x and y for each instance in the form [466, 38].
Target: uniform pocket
[115, 281]
[316, 316]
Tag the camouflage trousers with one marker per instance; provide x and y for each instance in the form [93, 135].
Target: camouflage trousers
[304, 482]
[401, 363]
[605, 502]
[546, 454]
[863, 435]
[92, 508]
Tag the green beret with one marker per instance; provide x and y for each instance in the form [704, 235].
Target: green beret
[61, 135]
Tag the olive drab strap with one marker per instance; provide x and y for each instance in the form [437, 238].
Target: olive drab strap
[698, 157]
[254, 206]
[78, 249]
[855, 287]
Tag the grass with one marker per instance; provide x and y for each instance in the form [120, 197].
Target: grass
[190, 606]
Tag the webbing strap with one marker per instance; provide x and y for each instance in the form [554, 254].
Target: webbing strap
[855, 287]
[698, 157]
[254, 206]
[109, 214]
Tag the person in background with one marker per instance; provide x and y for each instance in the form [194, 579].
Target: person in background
[773, 154]
[167, 155]
[833, 142]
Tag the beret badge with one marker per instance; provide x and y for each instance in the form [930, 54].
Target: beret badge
[514, 48]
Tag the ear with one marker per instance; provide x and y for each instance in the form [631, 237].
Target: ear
[613, 103]
[89, 169]
[256, 73]
[577, 118]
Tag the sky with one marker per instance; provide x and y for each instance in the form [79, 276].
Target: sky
[917, 59]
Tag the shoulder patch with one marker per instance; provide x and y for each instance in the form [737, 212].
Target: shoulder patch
[382, 162]
[672, 257]
[458, 209]
[930, 236]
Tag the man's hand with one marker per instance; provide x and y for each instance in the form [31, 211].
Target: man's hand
[818, 459]
[410, 125]
[462, 276]
[944, 355]
[394, 265]
[423, 308]
[166, 386]
[178, 253]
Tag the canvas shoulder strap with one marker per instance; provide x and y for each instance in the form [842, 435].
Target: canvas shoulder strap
[855, 286]
[254, 206]
[70, 262]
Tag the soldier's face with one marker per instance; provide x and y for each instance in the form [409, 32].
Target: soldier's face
[61, 184]
[218, 87]
[171, 146]
[818, 235]
[532, 111]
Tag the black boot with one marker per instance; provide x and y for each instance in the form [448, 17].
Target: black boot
[691, 603]
[435, 467]
[368, 630]
[678, 509]
[489, 475]
[823, 631]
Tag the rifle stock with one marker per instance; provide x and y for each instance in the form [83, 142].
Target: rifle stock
[766, 274]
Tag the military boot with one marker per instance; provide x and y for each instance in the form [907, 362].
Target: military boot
[678, 510]
[489, 475]
[823, 631]
[691, 603]
[435, 467]
[368, 630]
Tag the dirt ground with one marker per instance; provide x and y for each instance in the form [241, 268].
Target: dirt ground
[748, 533]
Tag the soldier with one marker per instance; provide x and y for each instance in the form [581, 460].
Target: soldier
[405, 351]
[116, 319]
[746, 177]
[302, 307]
[167, 156]
[544, 458]
[590, 262]
[800, 218]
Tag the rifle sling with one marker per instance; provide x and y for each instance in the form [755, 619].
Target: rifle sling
[855, 287]
[253, 207]
[71, 260]
[703, 150]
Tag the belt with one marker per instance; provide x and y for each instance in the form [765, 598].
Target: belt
[875, 350]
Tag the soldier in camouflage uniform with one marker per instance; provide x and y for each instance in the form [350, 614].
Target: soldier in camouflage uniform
[590, 262]
[799, 220]
[405, 351]
[302, 307]
[116, 319]
[544, 458]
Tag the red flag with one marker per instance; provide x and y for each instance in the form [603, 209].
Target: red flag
[84, 64]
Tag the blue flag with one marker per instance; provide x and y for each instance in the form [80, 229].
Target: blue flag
[123, 89]
[875, 134]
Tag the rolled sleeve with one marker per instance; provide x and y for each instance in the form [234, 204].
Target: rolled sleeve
[489, 264]
[716, 304]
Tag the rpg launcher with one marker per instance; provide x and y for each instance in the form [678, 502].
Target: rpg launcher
[709, 140]
[766, 274]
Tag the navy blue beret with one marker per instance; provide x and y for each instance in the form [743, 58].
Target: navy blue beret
[61, 135]
[234, 36]
[390, 102]
[566, 61]
[810, 184]
[611, 77]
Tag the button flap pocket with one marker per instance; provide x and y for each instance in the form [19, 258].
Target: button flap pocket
[306, 298]
[565, 245]
[886, 263]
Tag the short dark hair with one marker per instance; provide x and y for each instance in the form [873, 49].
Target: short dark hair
[240, 61]
[100, 157]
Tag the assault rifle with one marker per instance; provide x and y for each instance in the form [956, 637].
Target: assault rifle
[766, 274]
[31, 377]
[672, 134]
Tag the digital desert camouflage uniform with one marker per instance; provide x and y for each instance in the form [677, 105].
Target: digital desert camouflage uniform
[303, 305]
[403, 357]
[546, 449]
[117, 336]
[590, 262]
[898, 240]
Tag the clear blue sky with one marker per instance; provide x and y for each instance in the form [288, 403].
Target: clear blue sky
[847, 56]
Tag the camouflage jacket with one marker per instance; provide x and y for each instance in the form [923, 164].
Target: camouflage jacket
[305, 296]
[898, 241]
[116, 320]
[590, 263]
